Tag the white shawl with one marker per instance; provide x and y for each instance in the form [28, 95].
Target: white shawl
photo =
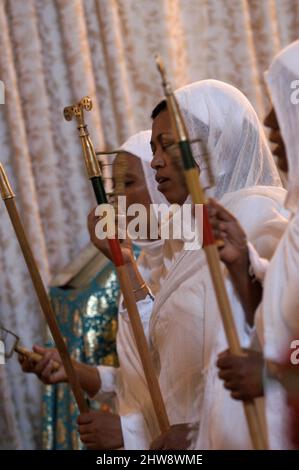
[222, 421]
[277, 326]
[282, 80]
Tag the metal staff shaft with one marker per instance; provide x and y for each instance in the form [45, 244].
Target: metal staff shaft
[191, 172]
[8, 197]
[94, 174]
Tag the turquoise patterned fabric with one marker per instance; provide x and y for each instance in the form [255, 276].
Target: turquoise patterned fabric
[88, 321]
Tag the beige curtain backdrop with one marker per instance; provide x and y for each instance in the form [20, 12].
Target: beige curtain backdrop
[52, 53]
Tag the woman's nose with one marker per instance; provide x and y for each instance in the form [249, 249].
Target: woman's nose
[157, 160]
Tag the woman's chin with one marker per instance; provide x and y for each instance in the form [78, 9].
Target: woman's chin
[175, 198]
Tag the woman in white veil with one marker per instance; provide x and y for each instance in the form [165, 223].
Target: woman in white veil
[128, 382]
[185, 325]
[277, 320]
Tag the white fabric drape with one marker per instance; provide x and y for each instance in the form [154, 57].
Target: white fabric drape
[186, 317]
[223, 424]
[283, 79]
[277, 326]
[277, 318]
[53, 53]
[240, 156]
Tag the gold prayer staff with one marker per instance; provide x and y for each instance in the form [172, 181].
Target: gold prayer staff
[5, 188]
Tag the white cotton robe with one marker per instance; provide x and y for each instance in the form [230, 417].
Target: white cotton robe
[222, 422]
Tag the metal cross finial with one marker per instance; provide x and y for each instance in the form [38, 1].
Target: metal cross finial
[77, 111]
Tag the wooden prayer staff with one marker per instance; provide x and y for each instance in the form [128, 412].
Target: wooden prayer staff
[94, 174]
[211, 251]
[8, 197]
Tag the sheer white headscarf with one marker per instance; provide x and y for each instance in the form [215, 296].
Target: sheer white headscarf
[281, 80]
[139, 145]
[151, 256]
[223, 118]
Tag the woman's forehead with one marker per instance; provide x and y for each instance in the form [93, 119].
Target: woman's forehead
[161, 124]
[132, 162]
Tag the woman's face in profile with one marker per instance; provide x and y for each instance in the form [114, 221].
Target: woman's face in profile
[166, 160]
[275, 138]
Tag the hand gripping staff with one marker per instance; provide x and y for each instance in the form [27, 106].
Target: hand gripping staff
[191, 172]
[8, 197]
[11, 343]
[94, 174]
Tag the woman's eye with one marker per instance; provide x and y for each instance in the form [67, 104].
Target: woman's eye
[166, 145]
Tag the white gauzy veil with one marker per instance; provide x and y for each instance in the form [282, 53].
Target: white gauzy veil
[283, 82]
[139, 145]
[222, 117]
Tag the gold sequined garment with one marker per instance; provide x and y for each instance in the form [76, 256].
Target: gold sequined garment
[88, 321]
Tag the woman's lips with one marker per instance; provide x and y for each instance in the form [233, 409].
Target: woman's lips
[276, 142]
[276, 138]
[163, 183]
[276, 149]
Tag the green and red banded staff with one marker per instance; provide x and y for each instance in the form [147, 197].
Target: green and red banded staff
[94, 174]
[191, 171]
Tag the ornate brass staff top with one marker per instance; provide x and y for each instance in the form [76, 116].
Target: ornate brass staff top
[8, 197]
[191, 172]
[94, 174]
